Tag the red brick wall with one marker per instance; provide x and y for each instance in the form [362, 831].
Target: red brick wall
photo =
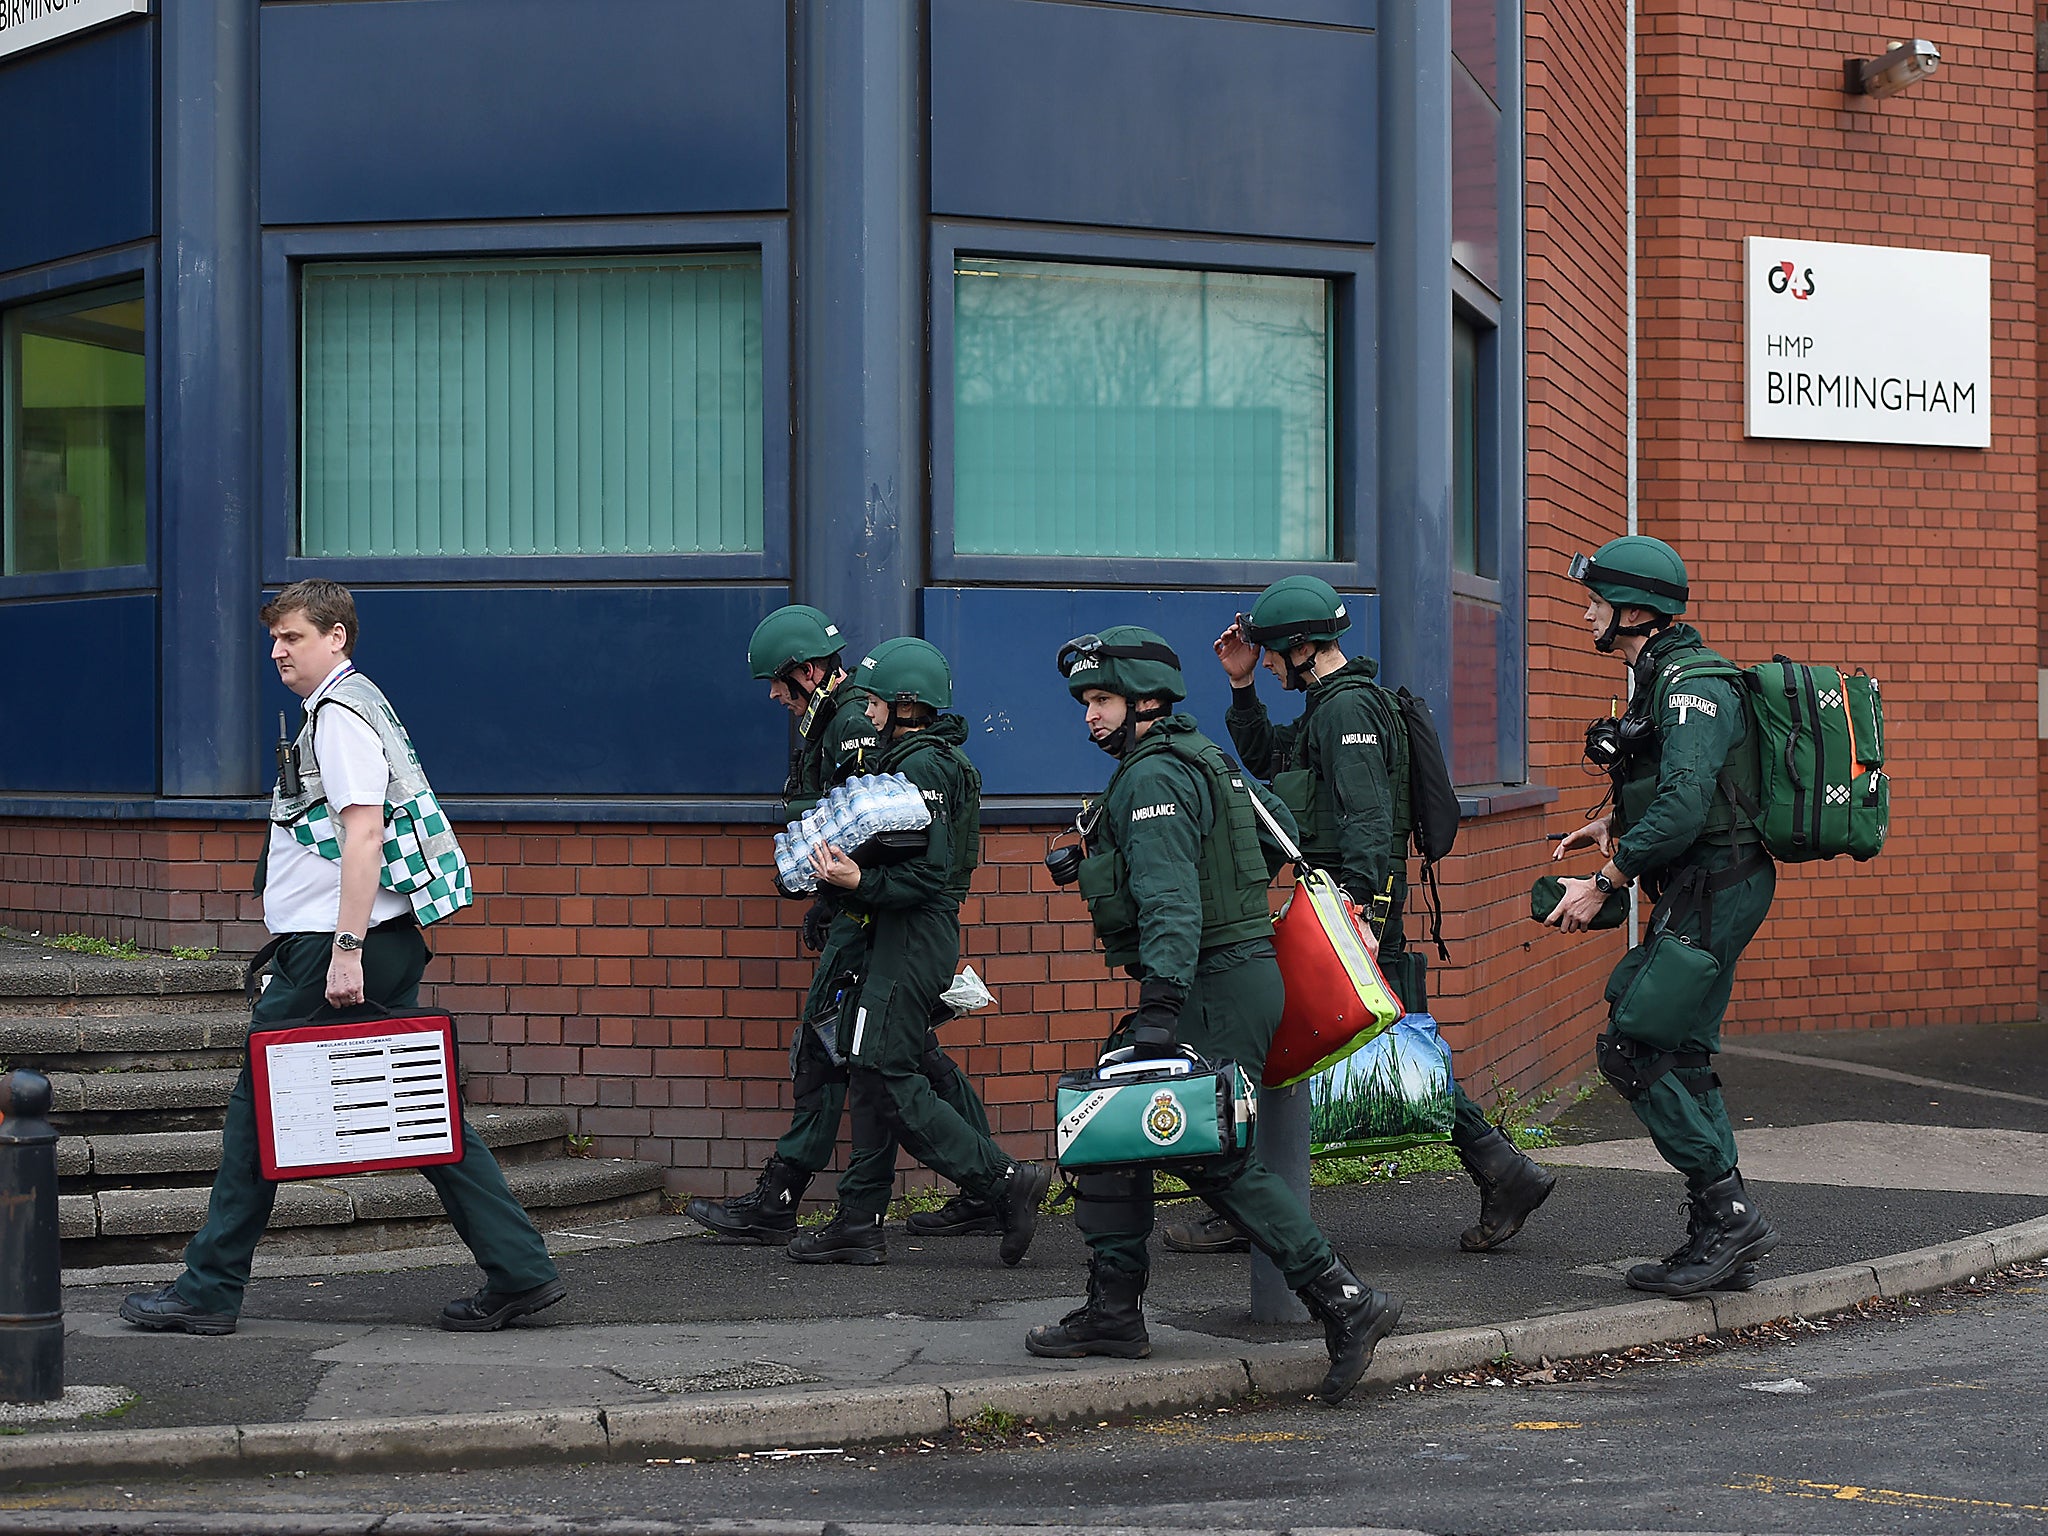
[1825, 551]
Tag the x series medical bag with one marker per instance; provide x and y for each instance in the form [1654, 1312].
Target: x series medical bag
[1123, 1115]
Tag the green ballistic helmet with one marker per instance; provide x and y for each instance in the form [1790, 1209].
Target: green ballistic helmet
[1126, 659]
[906, 670]
[1635, 572]
[1294, 611]
[788, 636]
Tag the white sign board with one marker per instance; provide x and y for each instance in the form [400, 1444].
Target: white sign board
[1867, 343]
[31, 23]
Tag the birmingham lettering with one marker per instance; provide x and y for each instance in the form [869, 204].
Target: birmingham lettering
[1848, 391]
[19, 13]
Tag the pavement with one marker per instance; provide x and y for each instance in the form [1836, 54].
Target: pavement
[1891, 1162]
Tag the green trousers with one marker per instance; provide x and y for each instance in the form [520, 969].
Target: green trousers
[493, 1224]
[820, 1083]
[1230, 1014]
[1407, 971]
[1686, 1118]
[898, 1072]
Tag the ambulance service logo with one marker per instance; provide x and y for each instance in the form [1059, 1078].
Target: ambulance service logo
[1164, 1119]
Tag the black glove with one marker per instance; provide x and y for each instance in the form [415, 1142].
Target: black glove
[1155, 1026]
[816, 922]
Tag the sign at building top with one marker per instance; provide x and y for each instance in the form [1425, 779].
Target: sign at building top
[1867, 343]
[30, 23]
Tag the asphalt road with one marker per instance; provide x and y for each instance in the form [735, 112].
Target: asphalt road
[1922, 1419]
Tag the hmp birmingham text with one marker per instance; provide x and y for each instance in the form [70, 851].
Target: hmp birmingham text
[19, 13]
[1849, 391]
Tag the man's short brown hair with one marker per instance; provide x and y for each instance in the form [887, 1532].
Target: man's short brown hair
[324, 603]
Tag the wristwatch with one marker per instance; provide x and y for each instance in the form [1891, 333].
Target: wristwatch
[348, 943]
[1605, 886]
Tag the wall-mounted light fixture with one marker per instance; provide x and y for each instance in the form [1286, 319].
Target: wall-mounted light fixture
[1904, 65]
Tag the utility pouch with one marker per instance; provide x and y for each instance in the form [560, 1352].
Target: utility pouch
[1103, 887]
[1548, 891]
[1296, 789]
[825, 1024]
[1658, 998]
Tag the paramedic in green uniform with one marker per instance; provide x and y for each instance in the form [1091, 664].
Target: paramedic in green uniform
[911, 911]
[798, 652]
[1175, 879]
[1683, 745]
[1342, 768]
[341, 940]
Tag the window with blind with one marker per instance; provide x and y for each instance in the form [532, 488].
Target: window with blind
[532, 407]
[1141, 412]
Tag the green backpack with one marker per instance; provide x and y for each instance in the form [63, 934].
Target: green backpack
[1820, 755]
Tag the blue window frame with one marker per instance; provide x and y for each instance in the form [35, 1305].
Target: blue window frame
[130, 271]
[755, 469]
[1332, 283]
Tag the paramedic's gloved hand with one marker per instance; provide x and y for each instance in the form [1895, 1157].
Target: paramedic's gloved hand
[816, 922]
[1155, 1027]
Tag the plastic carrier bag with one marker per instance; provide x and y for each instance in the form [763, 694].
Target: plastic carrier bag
[1392, 1093]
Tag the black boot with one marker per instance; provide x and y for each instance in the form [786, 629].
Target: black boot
[961, 1216]
[1651, 1277]
[1355, 1317]
[1730, 1232]
[767, 1214]
[1511, 1186]
[1109, 1324]
[1017, 1203]
[1212, 1234]
[845, 1239]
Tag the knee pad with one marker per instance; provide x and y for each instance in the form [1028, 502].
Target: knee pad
[867, 1101]
[1111, 1202]
[939, 1068]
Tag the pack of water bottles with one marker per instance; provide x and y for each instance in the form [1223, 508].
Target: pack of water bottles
[875, 806]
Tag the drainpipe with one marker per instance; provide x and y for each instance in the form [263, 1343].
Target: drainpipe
[1629, 152]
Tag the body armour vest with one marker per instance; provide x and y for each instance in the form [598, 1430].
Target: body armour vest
[422, 860]
[1232, 867]
[1305, 789]
[963, 819]
[1726, 826]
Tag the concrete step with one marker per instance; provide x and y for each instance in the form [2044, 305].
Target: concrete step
[31, 973]
[125, 1042]
[516, 1135]
[360, 1214]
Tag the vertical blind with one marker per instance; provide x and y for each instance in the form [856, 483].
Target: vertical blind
[532, 407]
[1140, 412]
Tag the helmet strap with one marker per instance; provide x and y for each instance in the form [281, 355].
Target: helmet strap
[1611, 637]
[1118, 741]
[1300, 676]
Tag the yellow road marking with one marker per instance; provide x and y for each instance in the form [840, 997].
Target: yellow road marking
[1550, 1424]
[1803, 1488]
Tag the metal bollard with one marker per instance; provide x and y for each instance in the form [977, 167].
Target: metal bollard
[31, 1283]
[1283, 1148]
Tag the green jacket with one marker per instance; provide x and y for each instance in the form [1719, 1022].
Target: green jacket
[1342, 768]
[937, 879]
[833, 740]
[1155, 835]
[1670, 807]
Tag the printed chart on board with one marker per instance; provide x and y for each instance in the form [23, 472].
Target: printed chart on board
[360, 1100]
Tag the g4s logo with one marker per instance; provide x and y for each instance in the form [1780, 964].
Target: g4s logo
[1784, 279]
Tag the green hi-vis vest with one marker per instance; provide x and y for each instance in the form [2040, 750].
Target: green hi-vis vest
[1727, 826]
[1303, 786]
[1232, 866]
[964, 819]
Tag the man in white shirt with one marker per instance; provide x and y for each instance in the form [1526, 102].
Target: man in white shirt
[342, 940]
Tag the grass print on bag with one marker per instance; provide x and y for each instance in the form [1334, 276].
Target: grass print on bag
[1394, 1093]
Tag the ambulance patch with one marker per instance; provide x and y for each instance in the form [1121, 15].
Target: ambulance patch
[1164, 1119]
[1148, 812]
[1360, 739]
[1686, 702]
